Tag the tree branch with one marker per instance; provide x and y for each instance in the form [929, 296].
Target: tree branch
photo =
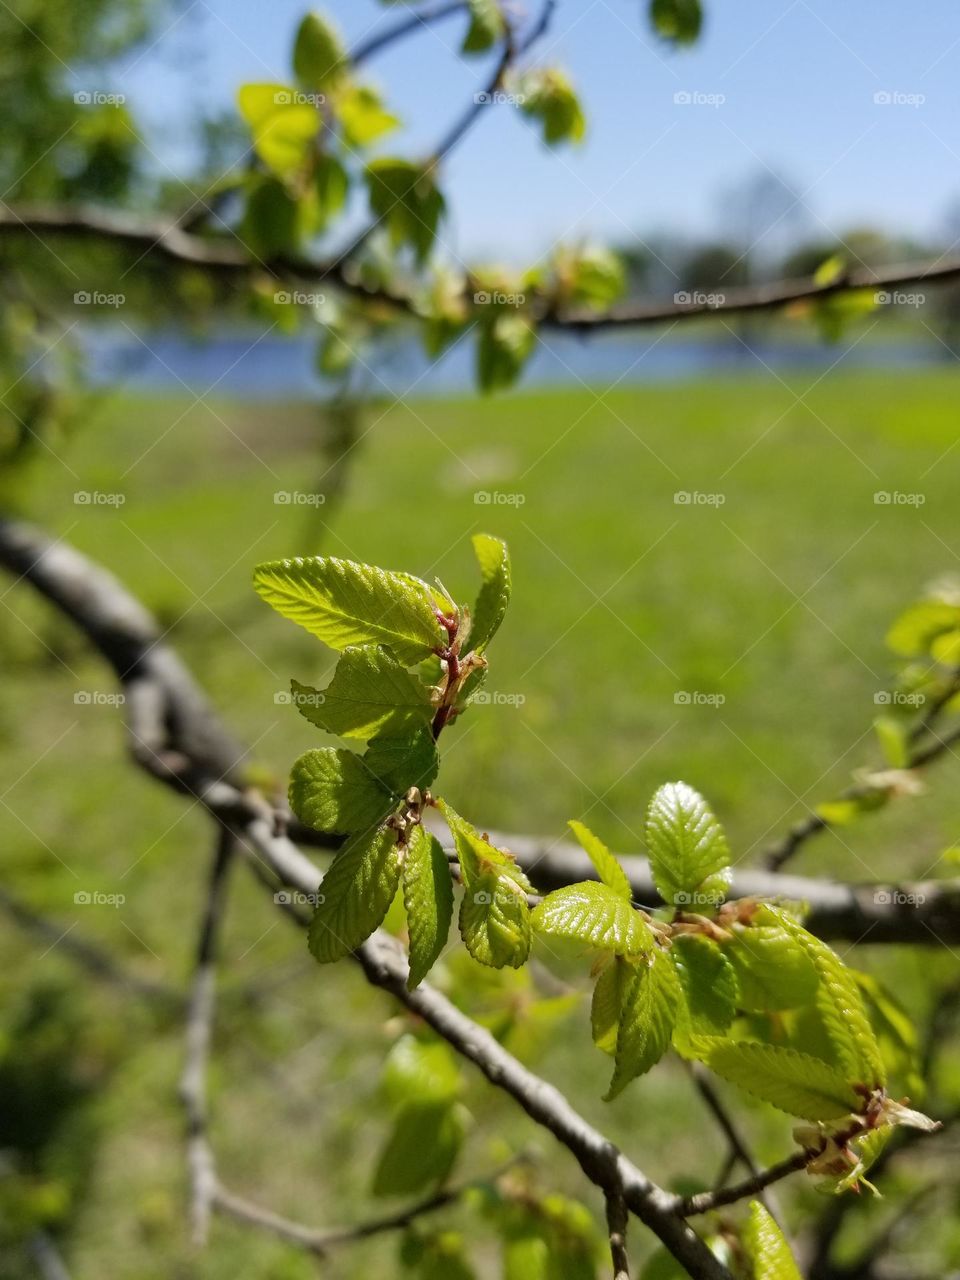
[617, 1230]
[406, 26]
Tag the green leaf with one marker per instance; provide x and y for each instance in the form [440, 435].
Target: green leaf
[709, 987]
[590, 277]
[319, 56]
[331, 183]
[355, 894]
[282, 126]
[344, 603]
[503, 348]
[766, 1248]
[841, 1007]
[607, 1003]
[494, 596]
[689, 855]
[477, 856]
[405, 197]
[772, 970]
[421, 1149]
[428, 899]
[548, 96]
[676, 20]
[495, 920]
[794, 1082]
[420, 1071]
[403, 762]
[594, 914]
[894, 743]
[362, 116]
[914, 632]
[650, 1007]
[371, 693]
[487, 26]
[607, 867]
[271, 219]
[333, 790]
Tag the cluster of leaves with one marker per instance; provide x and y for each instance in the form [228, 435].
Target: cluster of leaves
[739, 985]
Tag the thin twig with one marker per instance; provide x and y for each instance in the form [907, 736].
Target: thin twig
[617, 1219]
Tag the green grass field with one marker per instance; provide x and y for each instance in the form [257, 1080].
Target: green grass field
[775, 599]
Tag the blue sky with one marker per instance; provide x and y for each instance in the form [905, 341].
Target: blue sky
[798, 82]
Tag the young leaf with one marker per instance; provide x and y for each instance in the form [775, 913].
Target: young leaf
[689, 855]
[794, 1082]
[594, 914]
[548, 96]
[678, 21]
[270, 220]
[841, 1007]
[282, 128]
[768, 1252]
[331, 183]
[405, 197]
[494, 595]
[344, 603]
[607, 867]
[319, 56]
[487, 26]
[478, 856]
[371, 693]
[894, 742]
[428, 899]
[607, 1003]
[650, 1007]
[355, 894]
[362, 116]
[773, 970]
[495, 920]
[709, 987]
[333, 790]
[402, 762]
[421, 1149]
[914, 632]
[420, 1071]
[503, 348]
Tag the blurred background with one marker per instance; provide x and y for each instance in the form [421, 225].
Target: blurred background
[712, 526]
